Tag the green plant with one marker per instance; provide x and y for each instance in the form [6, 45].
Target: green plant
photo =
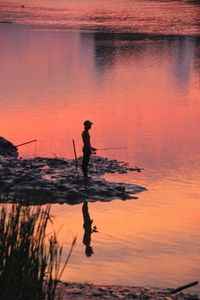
[29, 261]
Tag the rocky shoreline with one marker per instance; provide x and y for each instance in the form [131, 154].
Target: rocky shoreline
[79, 291]
[55, 180]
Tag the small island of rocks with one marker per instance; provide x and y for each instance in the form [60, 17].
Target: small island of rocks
[55, 180]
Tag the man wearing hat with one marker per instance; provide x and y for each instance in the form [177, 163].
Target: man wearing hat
[87, 148]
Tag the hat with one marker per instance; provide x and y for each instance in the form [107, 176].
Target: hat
[87, 123]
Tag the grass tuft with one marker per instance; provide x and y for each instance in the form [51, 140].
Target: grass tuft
[29, 261]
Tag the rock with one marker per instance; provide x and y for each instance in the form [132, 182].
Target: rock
[75, 291]
[58, 181]
[7, 149]
[102, 289]
[192, 296]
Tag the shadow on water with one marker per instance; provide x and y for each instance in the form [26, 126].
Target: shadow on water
[195, 2]
[88, 230]
[109, 46]
[29, 263]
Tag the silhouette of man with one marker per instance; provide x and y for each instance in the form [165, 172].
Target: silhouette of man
[87, 148]
[88, 230]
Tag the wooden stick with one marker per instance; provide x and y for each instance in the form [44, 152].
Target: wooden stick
[76, 160]
[183, 287]
[25, 143]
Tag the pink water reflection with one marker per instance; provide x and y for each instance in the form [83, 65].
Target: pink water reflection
[139, 96]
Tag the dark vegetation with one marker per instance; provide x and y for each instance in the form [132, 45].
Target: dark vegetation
[30, 261]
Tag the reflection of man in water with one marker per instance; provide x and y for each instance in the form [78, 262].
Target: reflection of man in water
[87, 225]
[87, 148]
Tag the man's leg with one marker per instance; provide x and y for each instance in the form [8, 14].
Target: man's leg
[85, 162]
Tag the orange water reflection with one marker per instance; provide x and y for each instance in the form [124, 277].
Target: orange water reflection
[151, 241]
[140, 95]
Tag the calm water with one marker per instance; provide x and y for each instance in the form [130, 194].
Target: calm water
[133, 68]
[178, 17]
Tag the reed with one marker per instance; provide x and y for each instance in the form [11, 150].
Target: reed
[30, 262]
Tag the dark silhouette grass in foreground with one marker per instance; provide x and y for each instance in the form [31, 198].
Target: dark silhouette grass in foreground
[30, 262]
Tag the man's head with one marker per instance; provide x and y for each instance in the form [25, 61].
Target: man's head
[87, 124]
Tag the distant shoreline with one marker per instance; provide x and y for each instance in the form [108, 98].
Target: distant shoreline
[106, 32]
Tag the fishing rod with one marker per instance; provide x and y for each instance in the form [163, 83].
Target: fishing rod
[114, 148]
[25, 143]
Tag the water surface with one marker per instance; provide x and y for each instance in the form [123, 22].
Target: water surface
[173, 17]
[134, 69]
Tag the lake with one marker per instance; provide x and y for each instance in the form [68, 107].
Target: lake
[133, 68]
